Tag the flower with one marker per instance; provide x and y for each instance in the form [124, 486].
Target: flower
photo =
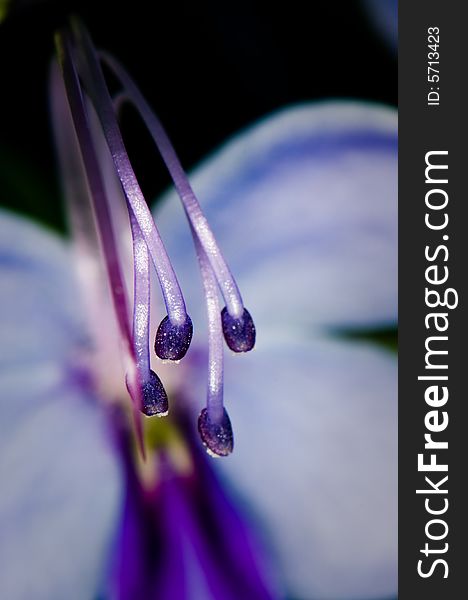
[304, 205]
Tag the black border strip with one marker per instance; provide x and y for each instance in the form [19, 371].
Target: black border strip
[424, 128]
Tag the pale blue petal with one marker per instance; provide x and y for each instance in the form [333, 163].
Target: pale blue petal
[60, 494]
[304, 205]
[59, 475]
[315, 459]
[39, 316]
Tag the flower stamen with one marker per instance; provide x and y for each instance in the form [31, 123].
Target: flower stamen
[238, 327]
[95, 84]
[80, 121]
[214, 425]
[154, 397]
[88, 97]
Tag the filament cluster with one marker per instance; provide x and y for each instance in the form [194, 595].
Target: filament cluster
[84, 85]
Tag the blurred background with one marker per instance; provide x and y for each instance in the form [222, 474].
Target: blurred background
[208, 68]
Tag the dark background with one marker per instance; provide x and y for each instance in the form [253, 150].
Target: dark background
[207, 67]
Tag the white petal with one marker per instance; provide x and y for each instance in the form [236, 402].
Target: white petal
[304, 207]
[60, 490]
[315, 459]
[58, 473]
[38, 307]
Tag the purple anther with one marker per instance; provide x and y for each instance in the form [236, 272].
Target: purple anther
[238, 333]
[217, 436]
[154, 397]
[172, 340]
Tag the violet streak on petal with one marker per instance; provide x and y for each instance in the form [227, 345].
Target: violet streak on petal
[201, 550]
[137, 550]
[232, 536]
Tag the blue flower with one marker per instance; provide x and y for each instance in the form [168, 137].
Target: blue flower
[304, 205]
